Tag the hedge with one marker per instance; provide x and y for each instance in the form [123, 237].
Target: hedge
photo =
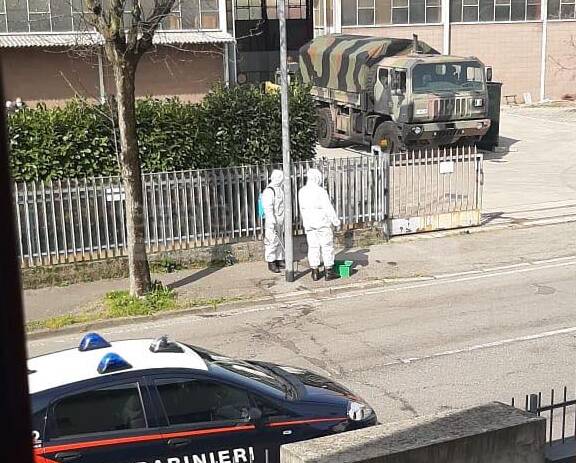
[231, 126]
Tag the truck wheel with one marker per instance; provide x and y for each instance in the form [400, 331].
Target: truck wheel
[386, 137]
[325, 128]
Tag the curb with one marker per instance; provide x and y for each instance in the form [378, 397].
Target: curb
[112, 322]
[293, 296]
[221, 309]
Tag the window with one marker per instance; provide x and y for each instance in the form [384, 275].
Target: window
[365, 12]
[3, 17]
[109, 409]
[174, 20]
[318, 6]
[72, 15]
[188, 401]
[561, 9]
[378, 12]
[398, 81]
[451, 77]
[383, 77]
[249, 9]
[494, 10]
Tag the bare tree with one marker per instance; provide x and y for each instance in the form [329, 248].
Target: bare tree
[124, 43]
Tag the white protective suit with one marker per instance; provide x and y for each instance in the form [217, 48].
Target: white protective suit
[318, 217]
[273, 203]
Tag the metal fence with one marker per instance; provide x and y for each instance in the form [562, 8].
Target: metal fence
[84, 219]
[559, 409]
[427, 182]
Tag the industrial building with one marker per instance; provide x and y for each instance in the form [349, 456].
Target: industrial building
[49, 55]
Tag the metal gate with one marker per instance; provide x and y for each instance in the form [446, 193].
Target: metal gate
[434, 190]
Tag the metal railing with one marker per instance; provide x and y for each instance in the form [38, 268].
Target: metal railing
[74, 220]
[84, 219]
[559, 411]
[428, 182]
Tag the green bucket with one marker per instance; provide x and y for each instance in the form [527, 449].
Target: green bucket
[343, 268]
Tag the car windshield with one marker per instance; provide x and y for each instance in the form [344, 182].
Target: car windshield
[250, 370]
[432, 77]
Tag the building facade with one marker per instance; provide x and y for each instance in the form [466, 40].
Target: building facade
[50, 54]
[531, 44]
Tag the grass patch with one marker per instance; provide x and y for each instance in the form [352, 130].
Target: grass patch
[165, 265]
[119, 304]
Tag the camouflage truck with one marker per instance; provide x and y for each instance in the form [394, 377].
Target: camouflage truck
[394, 93]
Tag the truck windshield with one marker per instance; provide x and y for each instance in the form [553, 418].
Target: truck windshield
[447, 77]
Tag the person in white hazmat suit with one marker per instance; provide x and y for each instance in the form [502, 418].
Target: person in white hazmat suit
[318, 218]
[273, 205]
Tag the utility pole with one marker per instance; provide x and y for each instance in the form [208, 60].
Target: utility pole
[288, 247]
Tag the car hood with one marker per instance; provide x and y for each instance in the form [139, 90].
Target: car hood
[313, 387]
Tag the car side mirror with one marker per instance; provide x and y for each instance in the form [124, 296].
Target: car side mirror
[254, 415]
[488, 74]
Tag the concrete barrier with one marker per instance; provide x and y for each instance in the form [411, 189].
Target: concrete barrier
[493, 433]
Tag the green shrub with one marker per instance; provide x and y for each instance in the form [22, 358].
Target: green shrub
[231, 126]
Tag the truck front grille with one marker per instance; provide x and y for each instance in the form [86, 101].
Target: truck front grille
[447, 108]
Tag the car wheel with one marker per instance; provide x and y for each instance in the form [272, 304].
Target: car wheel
[325, 128]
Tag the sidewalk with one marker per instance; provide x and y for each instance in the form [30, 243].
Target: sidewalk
[403, 258]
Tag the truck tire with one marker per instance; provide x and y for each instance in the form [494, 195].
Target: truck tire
[325, 128]
[387, 138]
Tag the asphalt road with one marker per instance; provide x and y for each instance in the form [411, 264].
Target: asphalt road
[410, 349]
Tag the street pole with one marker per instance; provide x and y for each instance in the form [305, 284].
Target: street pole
[289, 258]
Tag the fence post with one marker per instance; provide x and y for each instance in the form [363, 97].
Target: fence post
[533, 403]
[386, 216]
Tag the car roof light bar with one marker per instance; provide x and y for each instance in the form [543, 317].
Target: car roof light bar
[112, 362]
[92, 341]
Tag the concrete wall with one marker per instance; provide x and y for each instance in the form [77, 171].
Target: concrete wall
[561, 59]
[53, 75]
[516, 62]
[432, 35]
[493, 433]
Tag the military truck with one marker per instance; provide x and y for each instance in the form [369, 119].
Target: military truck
[394, 93]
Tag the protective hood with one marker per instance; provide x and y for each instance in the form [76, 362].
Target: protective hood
[314, 177]
[276, 178]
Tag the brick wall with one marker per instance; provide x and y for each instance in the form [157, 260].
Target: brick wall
[513, 50]
[432, 35]
[55, 75]
[561, 59]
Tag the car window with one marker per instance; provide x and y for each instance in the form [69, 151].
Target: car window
[383, 77]
[188, 401]
[108, 409]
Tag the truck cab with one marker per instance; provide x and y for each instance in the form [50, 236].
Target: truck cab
[429, 100]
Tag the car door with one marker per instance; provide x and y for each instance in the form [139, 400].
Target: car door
[109, 422]
[278, 426]
[382, 95]
[208, 421]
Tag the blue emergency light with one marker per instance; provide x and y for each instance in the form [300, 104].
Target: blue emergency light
[92, 341]
[112, 362]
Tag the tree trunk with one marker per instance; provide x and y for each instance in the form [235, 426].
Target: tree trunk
[124, 74]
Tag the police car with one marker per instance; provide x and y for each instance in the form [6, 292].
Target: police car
[159, 401]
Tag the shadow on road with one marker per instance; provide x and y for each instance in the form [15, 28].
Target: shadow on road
[504, 147]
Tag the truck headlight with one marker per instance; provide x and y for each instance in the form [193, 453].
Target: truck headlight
[478, 102]
[359, 412]
[417, 130]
